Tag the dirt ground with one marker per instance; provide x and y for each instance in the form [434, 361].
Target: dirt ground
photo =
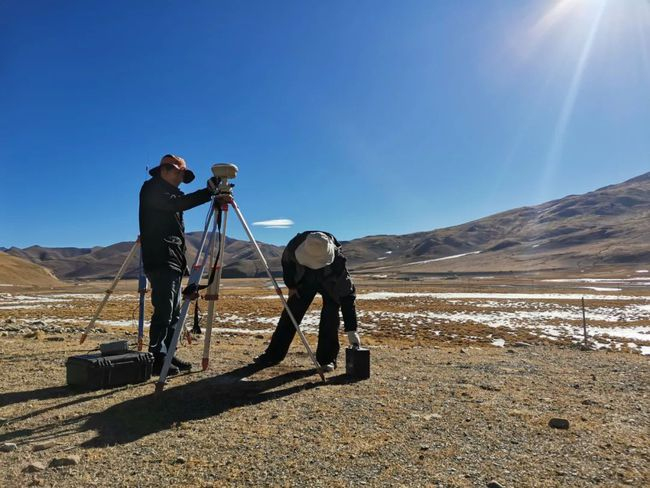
[438, 410]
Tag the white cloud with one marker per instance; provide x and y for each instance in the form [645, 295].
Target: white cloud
[275, 224]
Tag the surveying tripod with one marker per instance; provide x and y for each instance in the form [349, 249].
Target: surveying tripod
[219, 206]
[142, 290]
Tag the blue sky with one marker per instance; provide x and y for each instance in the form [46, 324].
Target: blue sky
[356, 117]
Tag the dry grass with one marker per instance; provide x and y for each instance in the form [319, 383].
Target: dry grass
[439, 410]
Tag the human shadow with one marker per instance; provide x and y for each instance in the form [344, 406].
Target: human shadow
[136, 418]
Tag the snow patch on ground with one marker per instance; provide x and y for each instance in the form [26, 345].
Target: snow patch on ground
[455, 256]
[386, 295]
[597, 288]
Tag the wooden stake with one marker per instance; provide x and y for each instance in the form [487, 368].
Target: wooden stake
[584, 322]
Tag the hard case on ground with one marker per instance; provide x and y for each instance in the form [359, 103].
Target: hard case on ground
[94, 371]
[357, 362]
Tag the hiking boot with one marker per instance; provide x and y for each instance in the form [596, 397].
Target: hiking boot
[158, 363]
[264, 360]
[329, 367]
[181, 365]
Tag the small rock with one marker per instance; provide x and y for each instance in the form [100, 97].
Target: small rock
[10, 320]
[41, 446]
[55, 338]
[3, 420]
[494, 484]
[424, 447]
[430, 416]
[510, 351]
[259, 336]
[65, 461]
[558, 423]
[464, 351]
[8, 447]
[4, 333]
[522, 344]
[180, 460]
[34, 467]
[589, 402]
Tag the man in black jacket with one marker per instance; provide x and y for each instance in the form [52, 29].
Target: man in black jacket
[313, 263]
[162, 241]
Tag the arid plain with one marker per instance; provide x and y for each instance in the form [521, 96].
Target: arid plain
[467, 372]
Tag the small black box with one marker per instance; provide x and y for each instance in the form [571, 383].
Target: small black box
[94, 371]
[357, 362]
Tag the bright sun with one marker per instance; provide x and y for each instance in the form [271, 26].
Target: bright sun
[576, 33]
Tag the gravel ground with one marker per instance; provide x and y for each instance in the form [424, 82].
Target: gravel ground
[430, 415]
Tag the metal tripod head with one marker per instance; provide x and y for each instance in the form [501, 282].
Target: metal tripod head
[224, 172]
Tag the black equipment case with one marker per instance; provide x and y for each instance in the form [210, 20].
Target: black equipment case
[94, 371]
[357, 362]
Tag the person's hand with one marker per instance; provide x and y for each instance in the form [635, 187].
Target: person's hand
[293, 291]
[223, 199]
[213, 184]
[353, 338]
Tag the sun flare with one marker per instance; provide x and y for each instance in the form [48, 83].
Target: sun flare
[577, 40]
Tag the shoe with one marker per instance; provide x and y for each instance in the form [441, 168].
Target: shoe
[329, 367]
[265, 360]
[158, 363]
[181, 365]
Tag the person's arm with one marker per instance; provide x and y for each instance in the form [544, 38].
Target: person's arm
[169, 202]
[289, 268]
[347, 294]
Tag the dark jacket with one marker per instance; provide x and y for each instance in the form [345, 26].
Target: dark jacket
[162, 233]
[334, 278]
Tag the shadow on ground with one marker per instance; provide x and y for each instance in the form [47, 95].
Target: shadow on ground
[139, 417]
[133, 419]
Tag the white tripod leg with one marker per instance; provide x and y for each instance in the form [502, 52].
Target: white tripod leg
[277, 289]
[118, 276]
[213, 290]
[195, 277]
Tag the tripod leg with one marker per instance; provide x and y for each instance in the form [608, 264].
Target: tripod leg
[110, 290]
[142, 290]
[195, 277]
[213, 291]
[277, 289]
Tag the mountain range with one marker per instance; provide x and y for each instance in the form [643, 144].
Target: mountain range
[603, 228]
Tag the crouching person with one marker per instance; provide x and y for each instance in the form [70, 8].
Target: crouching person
[313, 263]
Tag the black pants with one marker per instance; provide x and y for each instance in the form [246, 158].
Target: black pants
[328, 337]
[166, 301]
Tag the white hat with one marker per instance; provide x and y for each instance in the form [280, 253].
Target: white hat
[316, 251]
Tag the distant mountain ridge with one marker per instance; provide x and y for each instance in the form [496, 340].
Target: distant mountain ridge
[606, 227]
[69, 263]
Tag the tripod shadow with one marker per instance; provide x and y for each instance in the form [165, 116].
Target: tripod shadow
[55, 428]
[49, 393]
[139, 417]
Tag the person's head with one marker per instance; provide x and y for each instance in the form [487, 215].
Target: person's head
[316, 251]
[173, 170]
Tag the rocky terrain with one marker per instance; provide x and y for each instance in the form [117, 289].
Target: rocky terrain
[429, 416]
[451, 402]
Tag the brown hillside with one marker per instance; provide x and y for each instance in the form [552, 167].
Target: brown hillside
[20, 272]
